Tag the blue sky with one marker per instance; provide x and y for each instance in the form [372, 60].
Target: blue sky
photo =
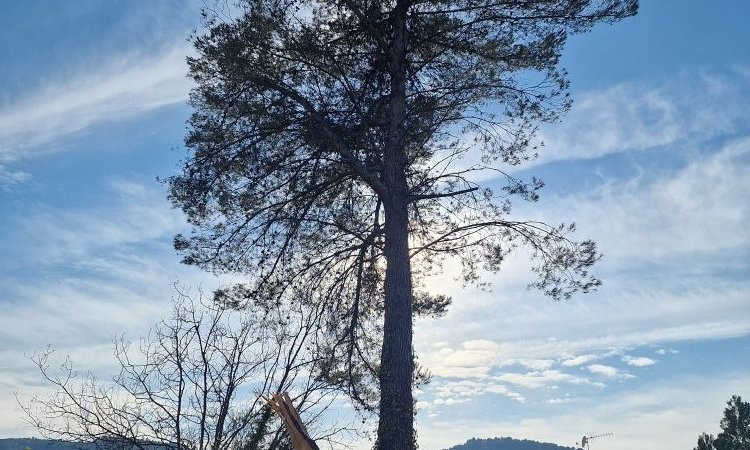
[653, 162]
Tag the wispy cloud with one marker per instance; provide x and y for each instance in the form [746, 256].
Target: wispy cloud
[120, 88]
[472, 359]
[672, 412]
[634, 116]
[673, 241]
[692, 107]
[579, 360]
[449, 393]
[134, 213]
[669, 213]
[9, 177]
[543, 378]
[624, 320]
[662, 351]
[607, 371]
[75, 278]
[111, 261]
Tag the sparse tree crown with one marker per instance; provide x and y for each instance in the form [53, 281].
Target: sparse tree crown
[340, 144]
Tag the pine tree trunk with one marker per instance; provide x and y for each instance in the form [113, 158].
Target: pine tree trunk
[396, 427]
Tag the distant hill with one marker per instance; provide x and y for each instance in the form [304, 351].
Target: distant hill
[506, 443]
[51, 444]
[41, 444]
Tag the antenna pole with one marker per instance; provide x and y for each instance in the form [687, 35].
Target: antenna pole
[586, 439]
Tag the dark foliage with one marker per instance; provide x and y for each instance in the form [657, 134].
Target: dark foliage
[735, 428]
[705, 442]
[330, 147]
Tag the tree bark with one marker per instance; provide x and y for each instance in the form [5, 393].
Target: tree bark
[396, 426]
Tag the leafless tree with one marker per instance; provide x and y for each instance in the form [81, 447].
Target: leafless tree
[196, 382]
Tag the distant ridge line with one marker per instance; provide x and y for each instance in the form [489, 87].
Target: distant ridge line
[498, 443]
[55, 444]
[507, 443]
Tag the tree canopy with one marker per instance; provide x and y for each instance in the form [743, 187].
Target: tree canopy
[735, 428]
[339, 145]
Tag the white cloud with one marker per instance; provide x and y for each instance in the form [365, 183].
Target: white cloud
[9, 177]
[669, 213]
[578, 360]
[537, 364]
[450, 401]
[672, 411]
[671, 239]
[97, 272]
[663, 351]
[634, 116]
[693, 106]
[123, 87]
[544, 378]
[638, 361]
[607, 371]
[454, 390]
[647, 229]
[97, 238]
[473, 358]
[449, 392]
[626, 317]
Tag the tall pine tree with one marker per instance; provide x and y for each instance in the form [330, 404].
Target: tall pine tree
[338, 144]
